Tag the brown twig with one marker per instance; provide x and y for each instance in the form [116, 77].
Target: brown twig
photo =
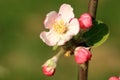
[92, 8]
[83, 70]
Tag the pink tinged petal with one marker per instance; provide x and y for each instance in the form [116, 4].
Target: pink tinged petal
[74, 28]
[50, 19]
[66, 12]
[50, 38]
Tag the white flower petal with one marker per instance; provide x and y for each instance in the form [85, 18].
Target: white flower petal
[50, 19]
[64, 39]
[61, 42]
[50, 38]
[66, 12]
[74, 27]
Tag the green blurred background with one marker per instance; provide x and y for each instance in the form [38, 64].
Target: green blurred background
[22, 52]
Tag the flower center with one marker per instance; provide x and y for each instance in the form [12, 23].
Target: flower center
[60, 27]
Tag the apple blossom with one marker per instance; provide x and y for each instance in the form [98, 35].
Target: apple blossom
[85, 21]
[82, 55]
[62, 26]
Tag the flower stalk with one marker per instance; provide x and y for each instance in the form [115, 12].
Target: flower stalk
[83, 70]
[61, 51]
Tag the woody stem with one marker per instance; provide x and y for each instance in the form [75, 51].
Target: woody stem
[83, 70]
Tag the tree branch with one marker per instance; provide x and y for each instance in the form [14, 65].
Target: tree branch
[92, 8]
[83, 71]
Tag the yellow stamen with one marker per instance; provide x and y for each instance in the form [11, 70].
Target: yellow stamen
[60, 27]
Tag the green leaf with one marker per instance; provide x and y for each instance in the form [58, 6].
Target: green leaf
[97, 34]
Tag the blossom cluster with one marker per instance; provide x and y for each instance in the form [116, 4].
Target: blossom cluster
[63, 27]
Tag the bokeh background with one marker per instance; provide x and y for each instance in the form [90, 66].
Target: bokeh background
[22, 52]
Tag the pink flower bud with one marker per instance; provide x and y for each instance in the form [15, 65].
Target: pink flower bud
[49, 66]
[82, 55]
[85, 21]
[48, 71]
[114, 78]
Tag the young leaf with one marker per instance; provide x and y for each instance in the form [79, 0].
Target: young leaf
[97, 34]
